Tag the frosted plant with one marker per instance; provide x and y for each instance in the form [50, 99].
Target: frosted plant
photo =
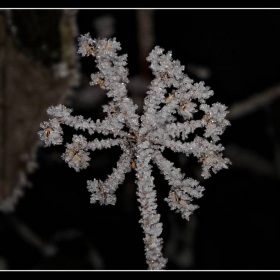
[143, 140]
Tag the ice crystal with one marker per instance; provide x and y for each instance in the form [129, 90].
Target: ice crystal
[51, 133]
[142, 140]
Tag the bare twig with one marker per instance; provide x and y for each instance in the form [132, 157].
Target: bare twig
[272, 133]
[253, 103]
[146, 38]
[27, 234]
[69, 32]
[244, 158]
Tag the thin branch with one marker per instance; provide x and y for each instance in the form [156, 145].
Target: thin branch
[244, 158]
[146, 38]
[253, 103]
[27, 234]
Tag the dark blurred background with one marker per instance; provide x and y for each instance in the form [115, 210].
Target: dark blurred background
[46, 219]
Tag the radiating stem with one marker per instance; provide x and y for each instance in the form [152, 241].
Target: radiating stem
[149, 216]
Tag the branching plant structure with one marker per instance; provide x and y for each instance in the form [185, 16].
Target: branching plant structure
[172, 102]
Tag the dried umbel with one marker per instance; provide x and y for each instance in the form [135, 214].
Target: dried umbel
[143, 140]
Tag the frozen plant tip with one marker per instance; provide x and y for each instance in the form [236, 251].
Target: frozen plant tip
[143, 140]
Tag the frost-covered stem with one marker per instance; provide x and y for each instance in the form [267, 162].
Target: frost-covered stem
[149, 216]
[62, 115]
[183, 190]
[112, 76]
[172, 175]
[104, 192]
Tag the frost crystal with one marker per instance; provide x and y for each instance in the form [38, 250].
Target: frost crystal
[75, 154]
[51, 133]
[142, 140]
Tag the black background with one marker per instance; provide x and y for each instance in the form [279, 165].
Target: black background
[238, 219]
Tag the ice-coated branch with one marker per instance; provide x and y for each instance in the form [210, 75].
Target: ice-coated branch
[104, 192]
[112, 75]
[208, 153]
[149, 216]
[182, 130]
[182, 190]
[142, 140]
[109, 125]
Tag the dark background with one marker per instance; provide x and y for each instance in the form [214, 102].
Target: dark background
[238, 223]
